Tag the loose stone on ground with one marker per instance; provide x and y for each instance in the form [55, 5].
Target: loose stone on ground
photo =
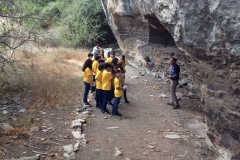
[5, 126]
[118, 152]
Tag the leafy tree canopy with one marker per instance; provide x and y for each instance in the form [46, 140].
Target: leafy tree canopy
[75, 22]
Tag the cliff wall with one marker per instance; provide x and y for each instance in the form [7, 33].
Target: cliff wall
[205, 37]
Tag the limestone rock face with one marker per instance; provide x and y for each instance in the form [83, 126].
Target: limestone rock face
[205, 36]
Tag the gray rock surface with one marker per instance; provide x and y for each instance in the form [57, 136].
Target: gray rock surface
[118, 152]
[49, 130]
[5, 126]
[76, 134]
[172, 136]
[77, 123]
[204, 36]
[34, 129]
[36, 157]
[5, 112]
[68, 148]
[72, 155]
[76, 146]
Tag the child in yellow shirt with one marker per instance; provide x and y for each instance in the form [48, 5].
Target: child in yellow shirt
[118, 92]
[112, 55]
[87, 79]
[90, 55]
[99, 91]
[114, 67]
[120, 67]
[94, 69]
[107, 77]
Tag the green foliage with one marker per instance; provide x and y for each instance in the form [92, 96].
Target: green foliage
[39, 12]
[80, 23]
[74, 22]
[7, 7]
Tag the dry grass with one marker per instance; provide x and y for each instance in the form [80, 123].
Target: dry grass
[42, 77]
[50, 75]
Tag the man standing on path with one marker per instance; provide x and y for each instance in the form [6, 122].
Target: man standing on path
[173, 79]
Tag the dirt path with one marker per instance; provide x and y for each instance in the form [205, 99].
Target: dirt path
[140, 134]
[145, 122]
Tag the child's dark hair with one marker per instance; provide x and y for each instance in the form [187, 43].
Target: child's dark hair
[117, 71]
[108, 54]
[113, 53]
[87, 64]
[123, 57]
[175, 59]
[102, 53]
[100, 61]
[90, 54]
[97, 57]
[101, 66]
[106, 65]
[119, 65]
[114, 61]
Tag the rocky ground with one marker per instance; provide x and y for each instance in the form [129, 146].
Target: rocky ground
[149, 129]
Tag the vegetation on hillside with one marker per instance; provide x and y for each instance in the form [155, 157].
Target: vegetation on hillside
[74, 22]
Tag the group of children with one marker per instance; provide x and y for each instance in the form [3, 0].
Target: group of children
[106, 77]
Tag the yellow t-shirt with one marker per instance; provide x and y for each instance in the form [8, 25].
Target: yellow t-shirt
[106, 80]
[109, 60]
[117, 83]
[95, 66]
[88, 72]
[98, 76]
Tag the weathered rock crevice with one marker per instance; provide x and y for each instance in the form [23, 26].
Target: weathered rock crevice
[204, 36]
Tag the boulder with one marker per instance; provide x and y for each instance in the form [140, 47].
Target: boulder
[204, 37]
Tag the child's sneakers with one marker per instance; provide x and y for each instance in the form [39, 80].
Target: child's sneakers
[86, 104]
[110, 104]
[105, 111]
[118, 114]
[176, 106]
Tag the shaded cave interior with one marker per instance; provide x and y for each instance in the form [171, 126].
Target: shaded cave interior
[158, 34]
[160, 48]
[160, 40]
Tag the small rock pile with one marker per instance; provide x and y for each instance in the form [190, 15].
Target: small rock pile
[76, 129]
[10, 109]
